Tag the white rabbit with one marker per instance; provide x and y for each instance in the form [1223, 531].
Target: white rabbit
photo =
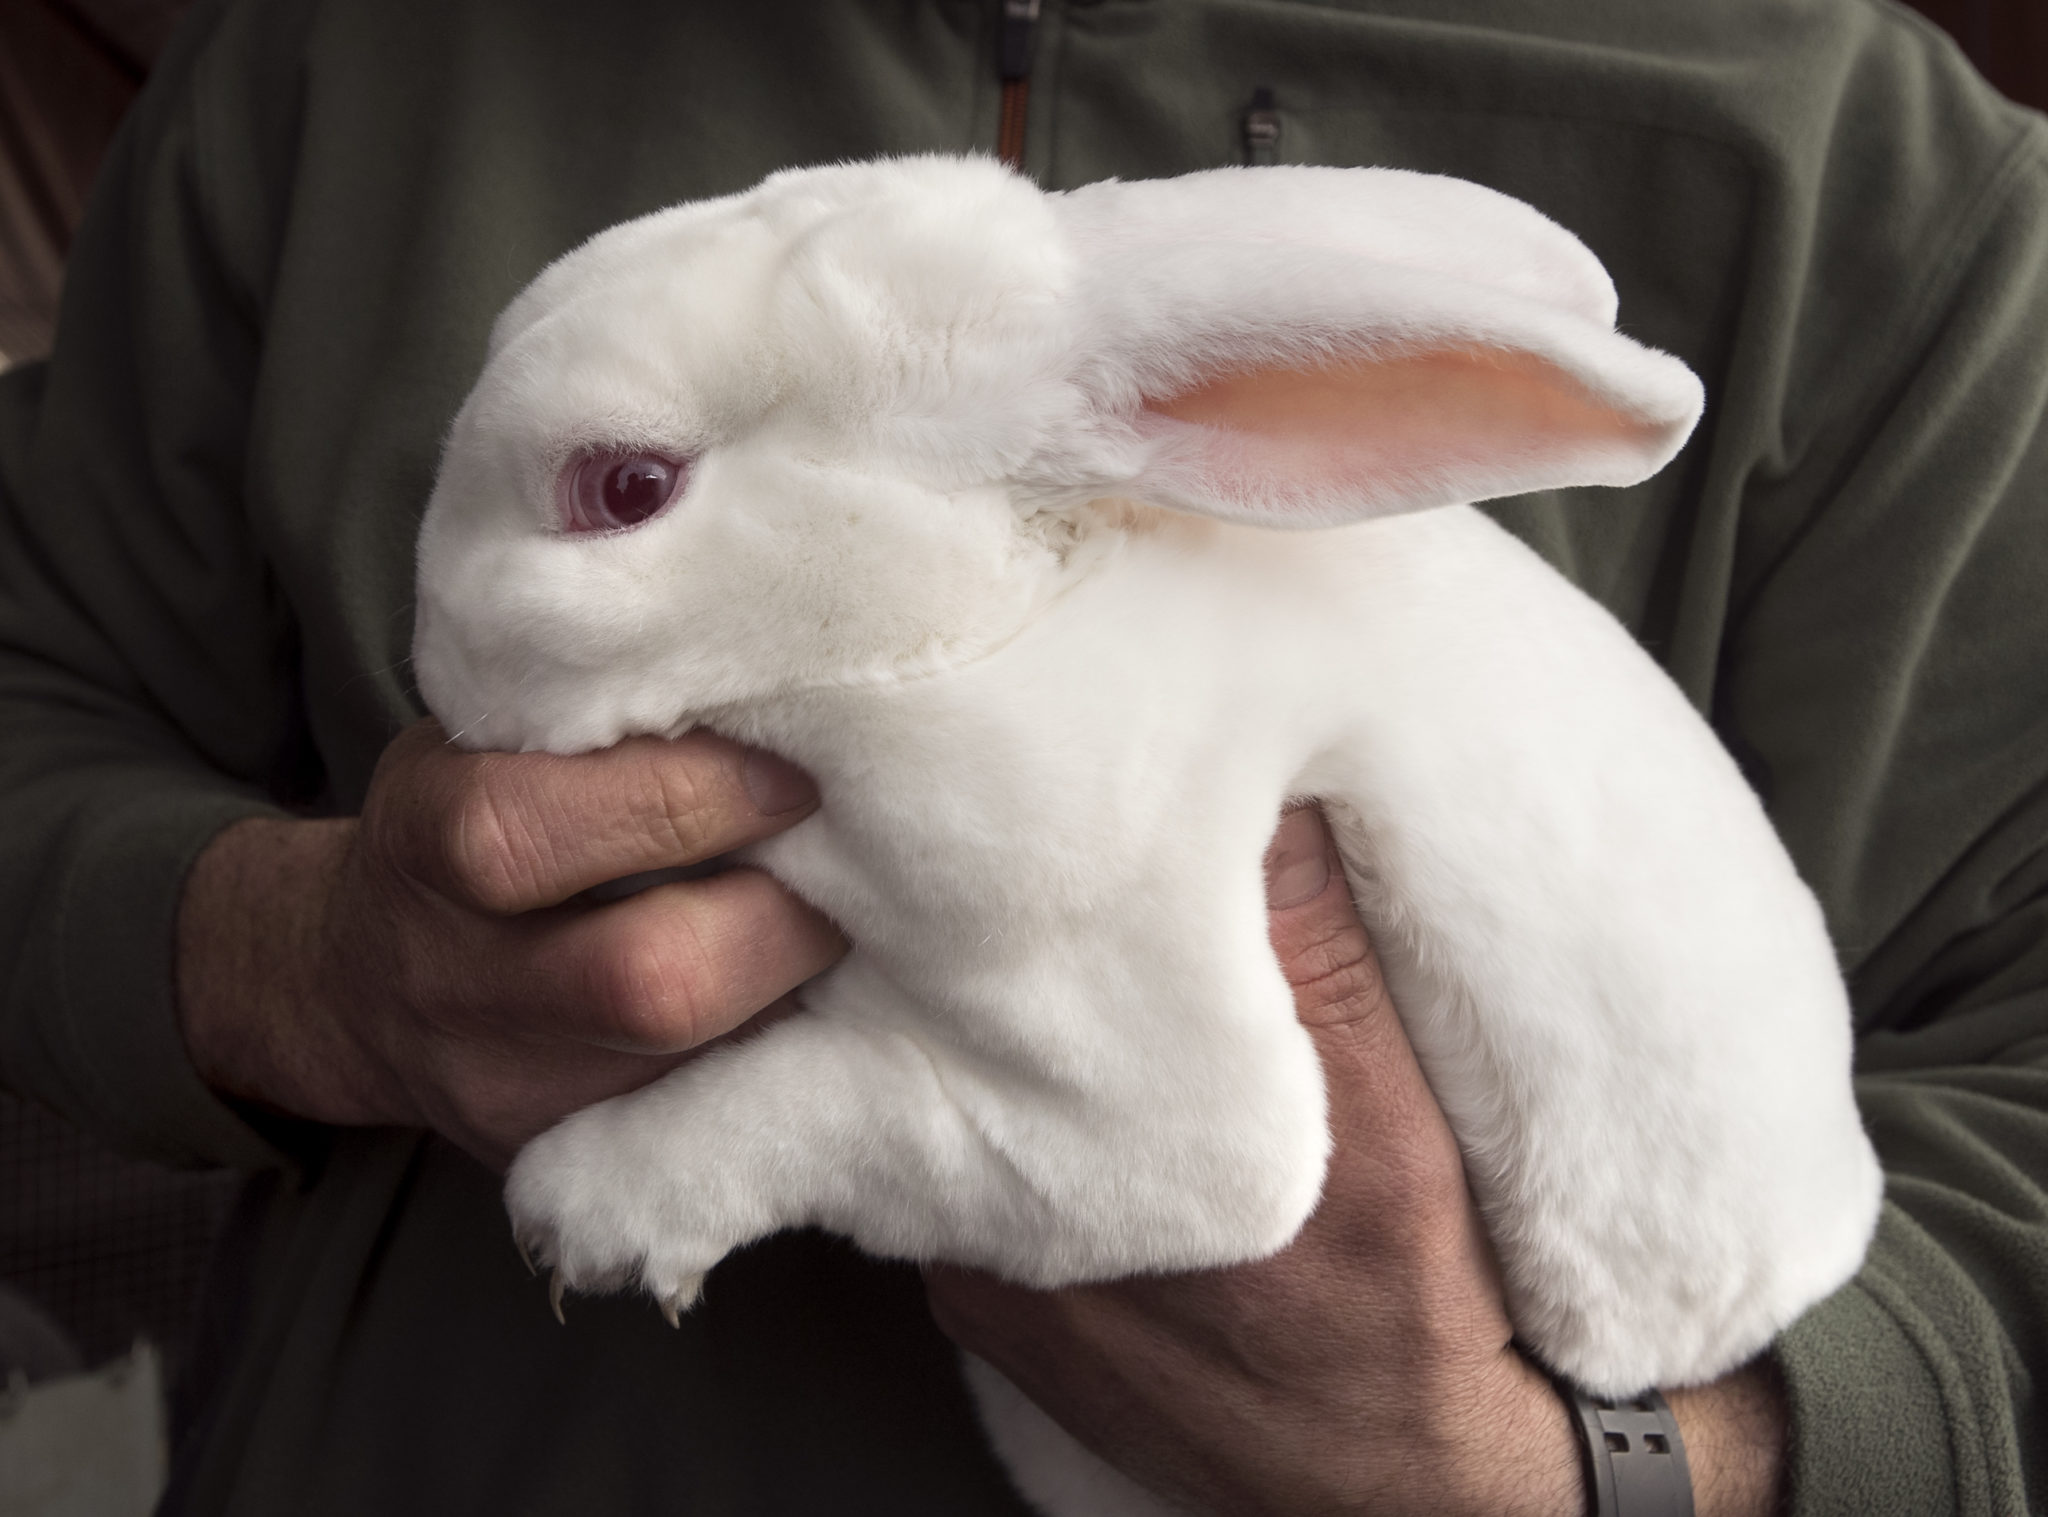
[961, 495]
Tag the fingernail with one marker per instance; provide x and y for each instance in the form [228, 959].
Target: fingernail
[775, 785]
[1298, 862]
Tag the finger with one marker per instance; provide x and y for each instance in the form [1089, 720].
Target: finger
[674, 967]
[1322, 945]
[1379, 1101]
[492, 1103]
[510, 832]
[1396, 1167]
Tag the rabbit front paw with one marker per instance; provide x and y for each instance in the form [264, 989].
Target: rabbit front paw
[590, 1209]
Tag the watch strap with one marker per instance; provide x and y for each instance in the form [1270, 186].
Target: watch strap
[1634, 1458]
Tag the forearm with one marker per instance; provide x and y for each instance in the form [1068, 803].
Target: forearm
[99, 845]
[253, 926]
[145, 702]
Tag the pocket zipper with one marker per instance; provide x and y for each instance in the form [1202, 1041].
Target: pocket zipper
[1013, 67]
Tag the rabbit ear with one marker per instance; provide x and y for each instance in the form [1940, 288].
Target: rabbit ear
[1304, 347]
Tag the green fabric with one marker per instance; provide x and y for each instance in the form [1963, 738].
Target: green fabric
[208, 500]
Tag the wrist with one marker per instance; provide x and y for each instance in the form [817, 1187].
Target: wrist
[1735, 1431]
[1527, 1462]
[256, 993]
[1729, 1447]
[1497, 1444]
[1632, 1454]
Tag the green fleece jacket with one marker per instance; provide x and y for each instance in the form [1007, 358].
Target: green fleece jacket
[207, 507]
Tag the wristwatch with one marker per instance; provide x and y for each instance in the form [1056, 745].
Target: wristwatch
[1634, 1459]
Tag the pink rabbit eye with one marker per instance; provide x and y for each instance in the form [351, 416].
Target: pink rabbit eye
[608, 492]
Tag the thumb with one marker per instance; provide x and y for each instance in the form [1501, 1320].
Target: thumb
[1390, 1133]
[1322, 946]
[1396, 1185]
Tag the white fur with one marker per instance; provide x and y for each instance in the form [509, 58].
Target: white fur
[980, 535]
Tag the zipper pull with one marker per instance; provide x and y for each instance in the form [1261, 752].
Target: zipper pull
[1261, 128]
[1013, 67]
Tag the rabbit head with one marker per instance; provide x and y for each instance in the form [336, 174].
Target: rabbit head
[848, 426]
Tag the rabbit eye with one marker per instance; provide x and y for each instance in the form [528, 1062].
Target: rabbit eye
[608, 492]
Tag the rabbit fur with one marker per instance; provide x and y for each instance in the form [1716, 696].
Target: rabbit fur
[984, 528]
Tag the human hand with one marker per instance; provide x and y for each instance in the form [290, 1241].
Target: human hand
[428, 964]
[1368, 1366]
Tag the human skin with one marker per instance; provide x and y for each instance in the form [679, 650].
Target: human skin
[428, 964]
[425, 964]
[1369, 1366]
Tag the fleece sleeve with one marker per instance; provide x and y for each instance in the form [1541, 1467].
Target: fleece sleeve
[1886, 677]
[145, 656]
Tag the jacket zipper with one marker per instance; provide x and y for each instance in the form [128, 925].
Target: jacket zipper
[1013, 67]
[1262, 128]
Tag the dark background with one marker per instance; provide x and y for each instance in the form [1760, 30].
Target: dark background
[108, 1248]
[2006, 39]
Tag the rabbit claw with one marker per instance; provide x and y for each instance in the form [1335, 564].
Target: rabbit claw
[680, 1297]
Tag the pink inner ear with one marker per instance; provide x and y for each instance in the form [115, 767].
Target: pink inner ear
[1412, 430]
